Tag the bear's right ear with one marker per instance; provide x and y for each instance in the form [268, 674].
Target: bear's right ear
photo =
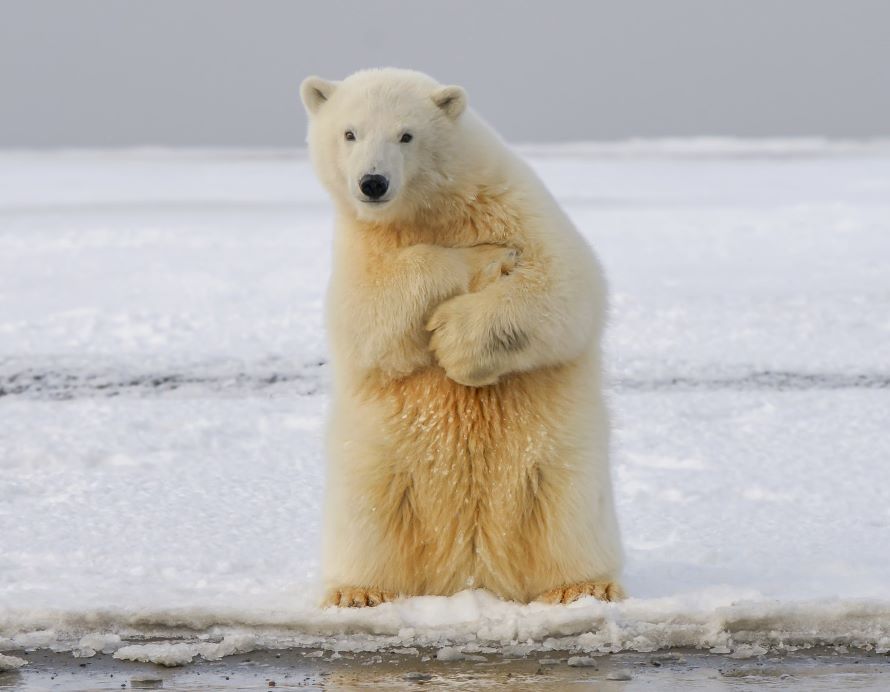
[315, 91]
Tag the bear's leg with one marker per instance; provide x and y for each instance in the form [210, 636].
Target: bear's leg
[577, 545]
[563, 505]
[371, 543]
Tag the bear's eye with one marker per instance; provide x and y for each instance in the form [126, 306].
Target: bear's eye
[407, 137]
[349, 135]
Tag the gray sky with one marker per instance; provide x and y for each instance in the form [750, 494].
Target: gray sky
[227, 72]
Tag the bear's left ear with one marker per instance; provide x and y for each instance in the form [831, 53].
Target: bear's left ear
[315, 91]
[452, 100]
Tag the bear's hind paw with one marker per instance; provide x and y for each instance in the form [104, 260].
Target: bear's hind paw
[603, 590]
[357, 597]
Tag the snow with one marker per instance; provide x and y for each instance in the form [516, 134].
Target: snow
[90, 644]
[582, 662]
[182, 653]
[163, 385]
[11, 663]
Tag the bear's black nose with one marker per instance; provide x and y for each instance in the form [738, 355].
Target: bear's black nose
[374, 186]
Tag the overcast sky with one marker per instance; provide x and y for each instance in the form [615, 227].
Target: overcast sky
[227, 72]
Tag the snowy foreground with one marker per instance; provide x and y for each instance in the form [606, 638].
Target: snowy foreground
[163, 388]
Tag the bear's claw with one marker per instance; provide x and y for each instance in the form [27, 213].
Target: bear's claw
[603, 590]
[503, 261]
[358, 597]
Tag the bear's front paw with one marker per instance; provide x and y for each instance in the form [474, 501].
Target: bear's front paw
[603, 590]
[461, 342]
[357, 597]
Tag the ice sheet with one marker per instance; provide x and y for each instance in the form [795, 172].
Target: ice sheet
[163, 383]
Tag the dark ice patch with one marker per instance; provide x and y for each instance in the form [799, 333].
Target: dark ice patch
[49, 381]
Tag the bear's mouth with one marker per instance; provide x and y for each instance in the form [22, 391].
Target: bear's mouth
[375, 201]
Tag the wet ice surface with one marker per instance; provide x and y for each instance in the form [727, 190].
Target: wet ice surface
[407, 669]
[163, 383]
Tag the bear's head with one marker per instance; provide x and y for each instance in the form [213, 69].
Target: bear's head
[383, 141]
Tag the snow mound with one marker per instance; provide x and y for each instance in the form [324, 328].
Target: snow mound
[182, 653]
[91, 644]
[11, 662]
[476, 622]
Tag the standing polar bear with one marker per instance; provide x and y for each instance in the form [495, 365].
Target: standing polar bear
[468, 439]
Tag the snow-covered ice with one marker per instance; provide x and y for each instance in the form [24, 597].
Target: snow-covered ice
[163, 387]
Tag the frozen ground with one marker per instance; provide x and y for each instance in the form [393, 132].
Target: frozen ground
[163, 387]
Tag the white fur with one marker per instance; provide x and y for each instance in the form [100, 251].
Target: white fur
[428, 305]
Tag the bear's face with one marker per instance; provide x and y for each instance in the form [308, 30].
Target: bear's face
[380, 139]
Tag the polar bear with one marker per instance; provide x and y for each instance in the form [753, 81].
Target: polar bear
[468, 438]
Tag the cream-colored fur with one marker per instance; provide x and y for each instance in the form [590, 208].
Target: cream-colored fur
[468, 439]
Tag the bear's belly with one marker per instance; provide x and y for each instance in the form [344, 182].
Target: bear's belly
[467, 472]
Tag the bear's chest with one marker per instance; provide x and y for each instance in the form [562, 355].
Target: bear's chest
[467, 449]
